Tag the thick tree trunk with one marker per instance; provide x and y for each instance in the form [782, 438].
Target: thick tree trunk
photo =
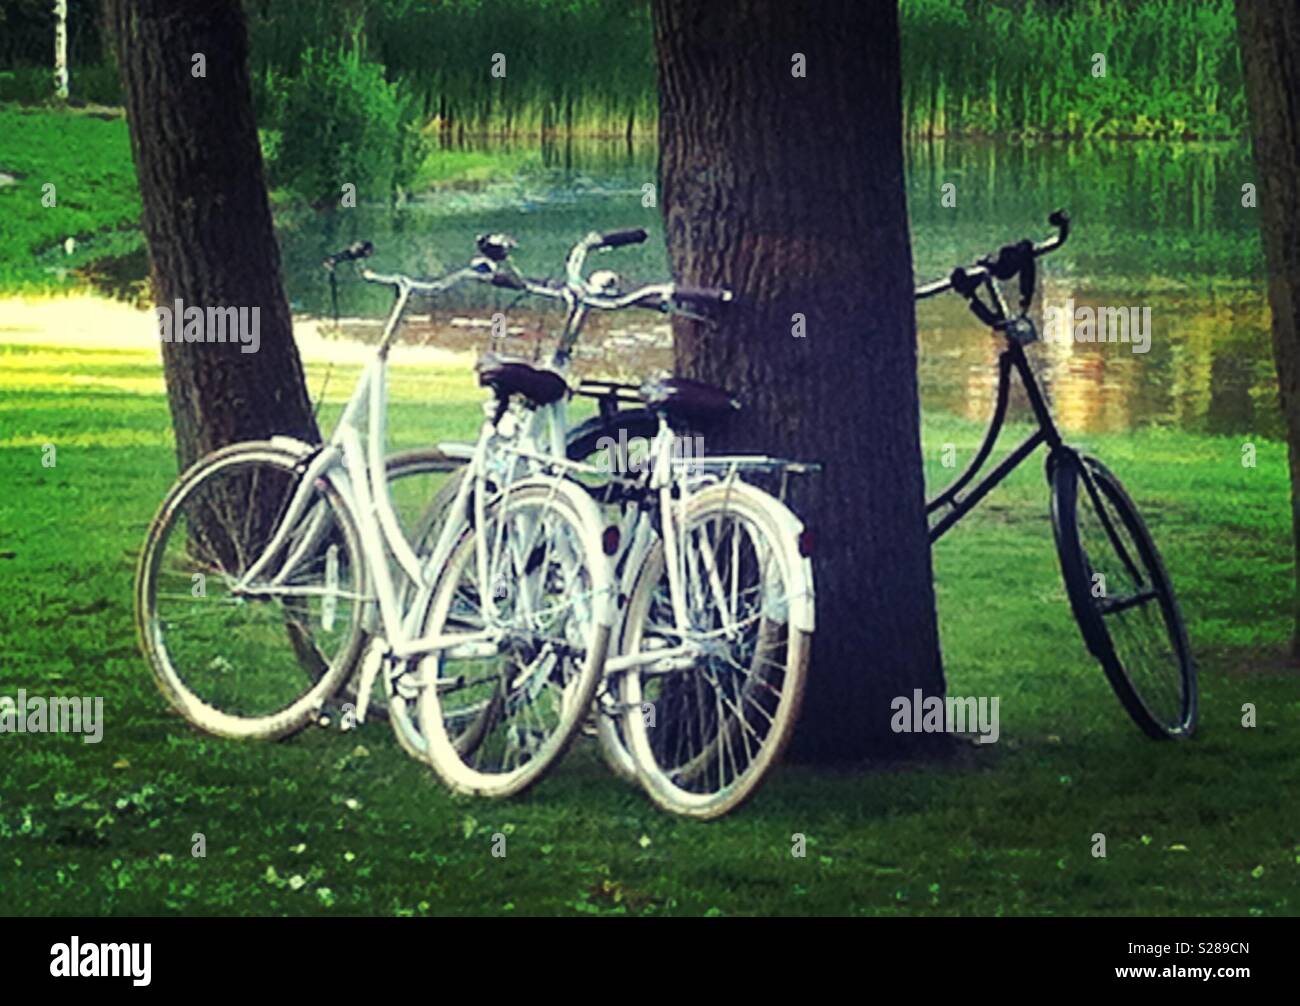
[789, 190]
[1270, 54]
[207, 220]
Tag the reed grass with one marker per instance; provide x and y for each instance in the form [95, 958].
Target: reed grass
[1172, 68]
[587, 67]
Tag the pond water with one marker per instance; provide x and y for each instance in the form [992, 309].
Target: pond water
[1156, 227]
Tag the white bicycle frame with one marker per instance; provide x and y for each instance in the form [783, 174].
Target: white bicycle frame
[356, 470]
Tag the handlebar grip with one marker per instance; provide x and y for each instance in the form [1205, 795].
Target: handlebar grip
[354, 251]
[1011, 259]
[616, 239]
[965, 280]
[702, 294]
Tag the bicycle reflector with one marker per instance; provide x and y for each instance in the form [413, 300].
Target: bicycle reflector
[806, 542]
[609, 539]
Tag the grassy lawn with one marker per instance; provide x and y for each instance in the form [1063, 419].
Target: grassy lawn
[96, 201]
[87, 160]
[333, 822]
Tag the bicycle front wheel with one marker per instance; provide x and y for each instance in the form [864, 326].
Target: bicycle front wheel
[522, 641]
[1122, 597]
[705, 729]
[249, 659]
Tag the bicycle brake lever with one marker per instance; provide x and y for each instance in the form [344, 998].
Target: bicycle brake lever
[704, 319]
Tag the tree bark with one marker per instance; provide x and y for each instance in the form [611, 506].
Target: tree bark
[789, 191]
[61, 49]
[1269, 31]
[207, 220]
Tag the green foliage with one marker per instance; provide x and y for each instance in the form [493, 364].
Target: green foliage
[95, 83]
[587, 66]
[341, 122]
[1010, 66]
[570, 65]
[1172, 68]
[27, 34]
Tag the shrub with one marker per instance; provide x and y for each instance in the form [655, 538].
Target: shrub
[340, 121]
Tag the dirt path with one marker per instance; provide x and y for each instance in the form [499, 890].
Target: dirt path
[84, 321]
[610, 346]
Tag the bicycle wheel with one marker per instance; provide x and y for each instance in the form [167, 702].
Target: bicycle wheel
[1122, 597]
[620, 445]
[259, 661]
[704, 735]
[496, 714]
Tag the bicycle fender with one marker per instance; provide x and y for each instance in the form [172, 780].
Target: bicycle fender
[602, 588]
[803, 604]
[299, 448]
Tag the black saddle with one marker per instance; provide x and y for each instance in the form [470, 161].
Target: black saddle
[507, 375]
[686, 401]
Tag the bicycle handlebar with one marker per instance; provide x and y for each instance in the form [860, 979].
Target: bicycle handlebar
[1010, 260]
[491, 266]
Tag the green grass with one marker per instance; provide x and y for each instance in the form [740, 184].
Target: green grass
[96, 202]
[332, 823]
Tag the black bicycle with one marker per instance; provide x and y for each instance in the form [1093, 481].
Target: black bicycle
[1119, 591]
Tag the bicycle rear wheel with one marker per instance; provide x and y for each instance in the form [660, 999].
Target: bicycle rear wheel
[1122, 597]
[705, 735]
[257, 661]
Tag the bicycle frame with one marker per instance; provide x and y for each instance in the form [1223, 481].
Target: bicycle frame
[356, 469]
[670, 479]
[1012, 358]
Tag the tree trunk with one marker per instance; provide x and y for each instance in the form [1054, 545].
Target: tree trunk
[1270, 54]
[207, 221]
[61, 49]
[789, 191]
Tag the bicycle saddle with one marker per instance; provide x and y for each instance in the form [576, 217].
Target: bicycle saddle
[686, 400]
[507, 375]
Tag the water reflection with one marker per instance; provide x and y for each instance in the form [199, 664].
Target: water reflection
[1156, 226]
[1208, 368]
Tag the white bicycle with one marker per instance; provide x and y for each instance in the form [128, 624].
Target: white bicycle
[270, 559]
